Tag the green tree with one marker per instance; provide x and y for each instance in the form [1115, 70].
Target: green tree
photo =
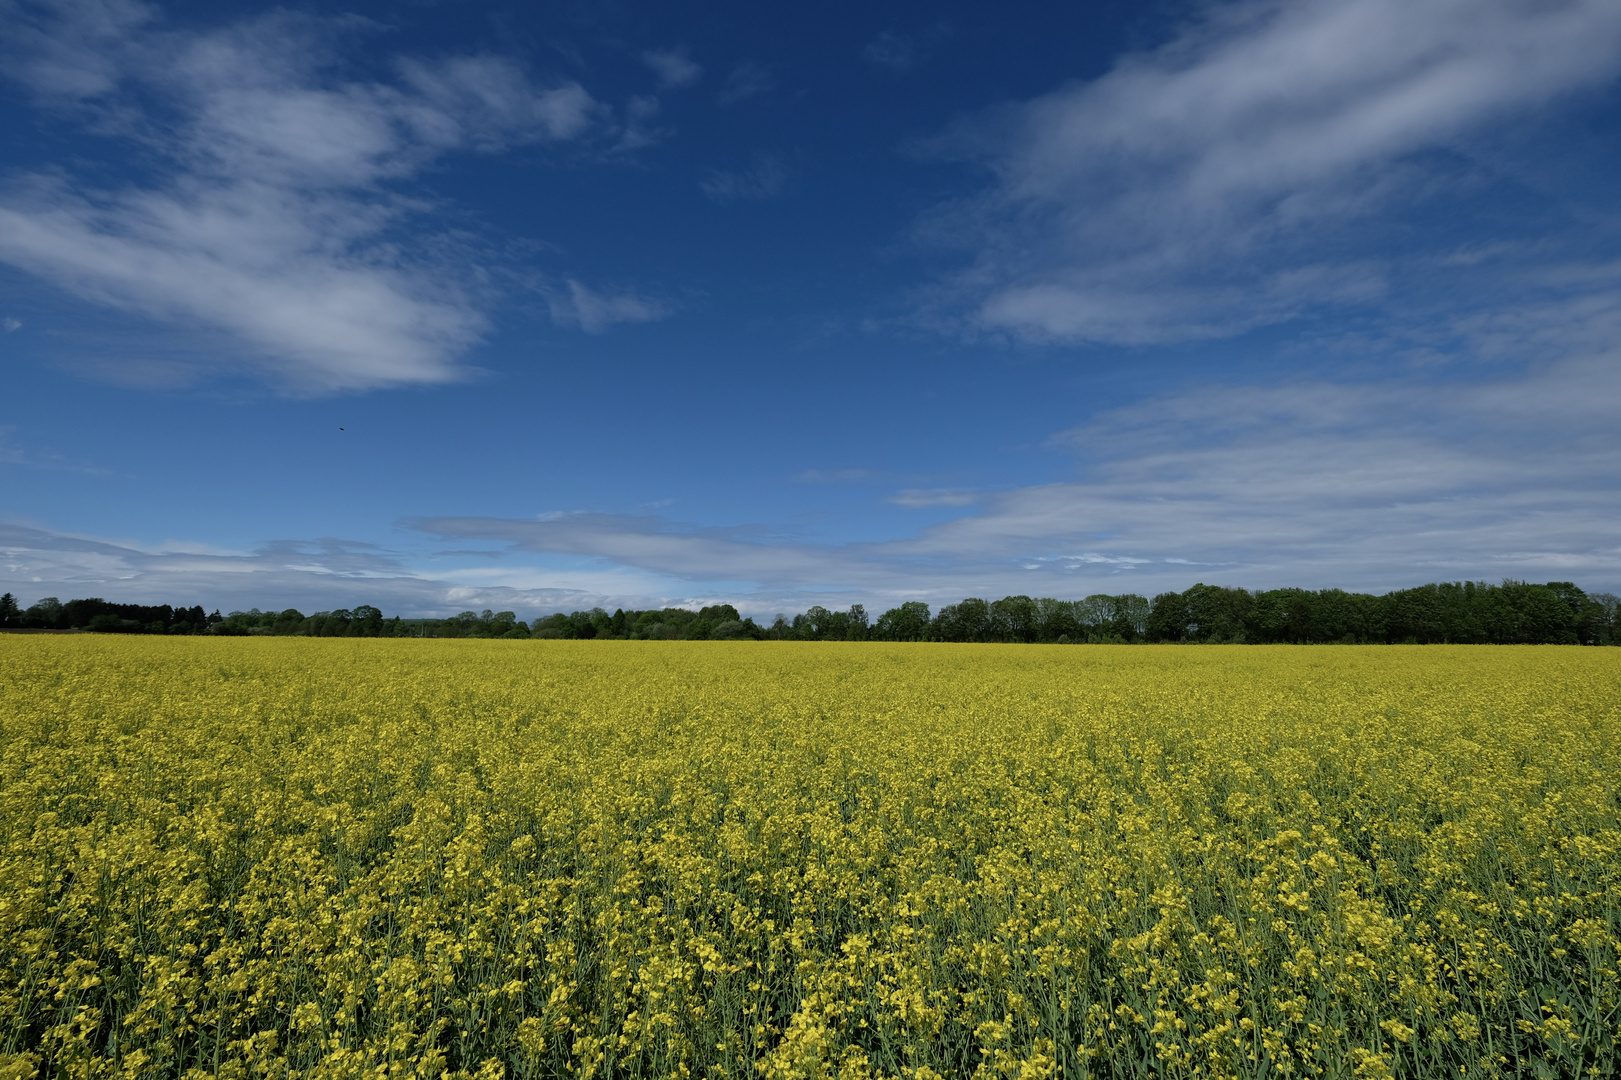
[288, 622]
[1605, 620]
[820, 624]
[1168, 618]
[45, 614]
[969, 620]
[1013, 618]
[730, 630]
[909, 622]
[719, 613]
[856, 627]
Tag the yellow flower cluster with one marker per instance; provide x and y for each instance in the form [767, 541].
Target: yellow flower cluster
[256, 857]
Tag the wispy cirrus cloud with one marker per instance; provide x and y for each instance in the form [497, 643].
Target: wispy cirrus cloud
[674, 68]
[763, 179]
[574, 304]
[901, 52]
[278, 187]
[834, 476]
[1207, 187]
[922, 497]
[747, 80]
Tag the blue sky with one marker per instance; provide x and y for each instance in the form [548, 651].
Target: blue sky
[541, 307]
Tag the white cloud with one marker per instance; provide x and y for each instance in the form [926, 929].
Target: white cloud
[74, 49]
[1093, 558]
[277, 221]
[576, 305]
[922, 497]
[310, 575]
[764, 179]
[673, 67]
[257, 263]
[746, 555]
[13, 325]
[638, 130]
[834, 476]
[747, 80]
[493, 104]
[1371, 485]
[1186, 193]
[902, 52]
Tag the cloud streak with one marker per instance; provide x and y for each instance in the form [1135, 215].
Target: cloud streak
[595, 311]
[674, 68]
[918, 498]
[1195, 190]
[762, 180]
[275, 217]
[900, 52]
[747, 80]
[322, 574]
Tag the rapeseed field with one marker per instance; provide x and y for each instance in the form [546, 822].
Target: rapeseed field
[266, 857]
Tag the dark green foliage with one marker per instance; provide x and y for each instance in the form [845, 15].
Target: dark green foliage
[104, 617]
[1168, 618]
[719, 622]
[1467, 612]
[909, 622]
[47, 614]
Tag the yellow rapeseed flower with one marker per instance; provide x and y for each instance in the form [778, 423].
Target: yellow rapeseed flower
[257, 857]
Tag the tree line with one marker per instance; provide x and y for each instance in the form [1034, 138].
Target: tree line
[99, 615]
[1468, 612]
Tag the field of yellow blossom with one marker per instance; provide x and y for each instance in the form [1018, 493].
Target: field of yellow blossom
[257, 857]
